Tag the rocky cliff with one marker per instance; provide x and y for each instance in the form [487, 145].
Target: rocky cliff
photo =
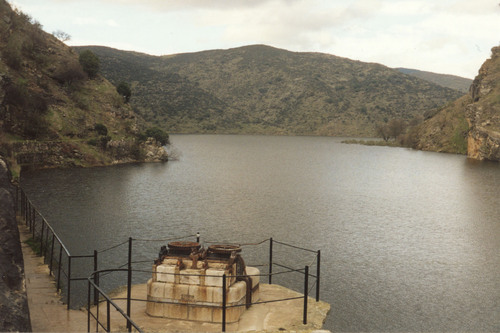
[471, 124]
[48, 102]
[14, 312]
[483, 115]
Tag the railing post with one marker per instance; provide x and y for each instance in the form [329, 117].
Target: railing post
[271, 260]
[26, 209]
[96, 279]
[59, 268]
[108, 316]
[88, 307]
[46, 240]
[224, 303]
[41, 238]
[32, 223]
[51, 254]
[129, 283]
[33, 215]
[318, 271]
[69, 280]
[197, 237]
[306, 291]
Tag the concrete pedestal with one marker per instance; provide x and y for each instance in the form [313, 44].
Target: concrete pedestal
[196, 293]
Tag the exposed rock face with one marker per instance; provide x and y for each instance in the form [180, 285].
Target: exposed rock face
[59, 154]
[154, 151]
[483, 114]
[13, 301]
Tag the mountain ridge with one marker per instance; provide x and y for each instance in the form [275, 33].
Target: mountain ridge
[259, 89]
[446, 80]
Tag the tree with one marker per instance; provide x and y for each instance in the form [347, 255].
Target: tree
[396, 127]
[158, 134]
[383, 131]
[90, 63]
[61, 35]
[123, 89]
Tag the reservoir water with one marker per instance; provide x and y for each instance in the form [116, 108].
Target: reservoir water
[410, 240]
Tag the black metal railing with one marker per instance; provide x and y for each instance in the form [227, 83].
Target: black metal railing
[60, 262]
[49, 245]
[96, 276]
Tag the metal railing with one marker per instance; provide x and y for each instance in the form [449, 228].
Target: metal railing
[60, 261]
[96, 277]
[49, 245]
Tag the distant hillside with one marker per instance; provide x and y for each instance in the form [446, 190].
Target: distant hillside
[450, 81]
[263, 90]
[52, 113]
[471, 124]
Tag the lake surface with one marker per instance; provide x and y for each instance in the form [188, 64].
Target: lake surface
[410, 240]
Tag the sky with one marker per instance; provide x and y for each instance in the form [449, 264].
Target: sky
[442, 36]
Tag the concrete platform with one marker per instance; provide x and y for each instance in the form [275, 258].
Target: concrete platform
[269, 317]
[49, 314]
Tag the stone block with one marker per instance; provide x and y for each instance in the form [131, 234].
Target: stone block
[180, 292]
[254, 274]
[201, 293]
[165, 273]
[175, 311]
[169, 291]
[256, 294]
[200, 313]
[235, 294]
[233, 314]
[154, 308]
[213, 278]
[154, 273]
[157, 290]
[169, 262]
[190, 276]
[150, 307]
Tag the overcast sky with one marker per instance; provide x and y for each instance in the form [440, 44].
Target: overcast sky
[443, 36]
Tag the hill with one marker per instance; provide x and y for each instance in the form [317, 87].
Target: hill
[259, 89]
[450, 81]
[52, 112]
[470, 124]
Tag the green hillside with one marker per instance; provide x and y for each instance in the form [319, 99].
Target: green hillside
[53, 112]
[263, 90]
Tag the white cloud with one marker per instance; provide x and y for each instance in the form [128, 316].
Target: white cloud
[450, 36]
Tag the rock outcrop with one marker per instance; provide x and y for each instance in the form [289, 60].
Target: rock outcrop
[471, 124]
[483, 115]
[13, 300]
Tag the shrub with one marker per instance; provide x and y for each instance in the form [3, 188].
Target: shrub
[27, 111]
[157, 134]
[123, 89]
[69, 72]
[12, 52]
[101, 129]
[89, 62]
